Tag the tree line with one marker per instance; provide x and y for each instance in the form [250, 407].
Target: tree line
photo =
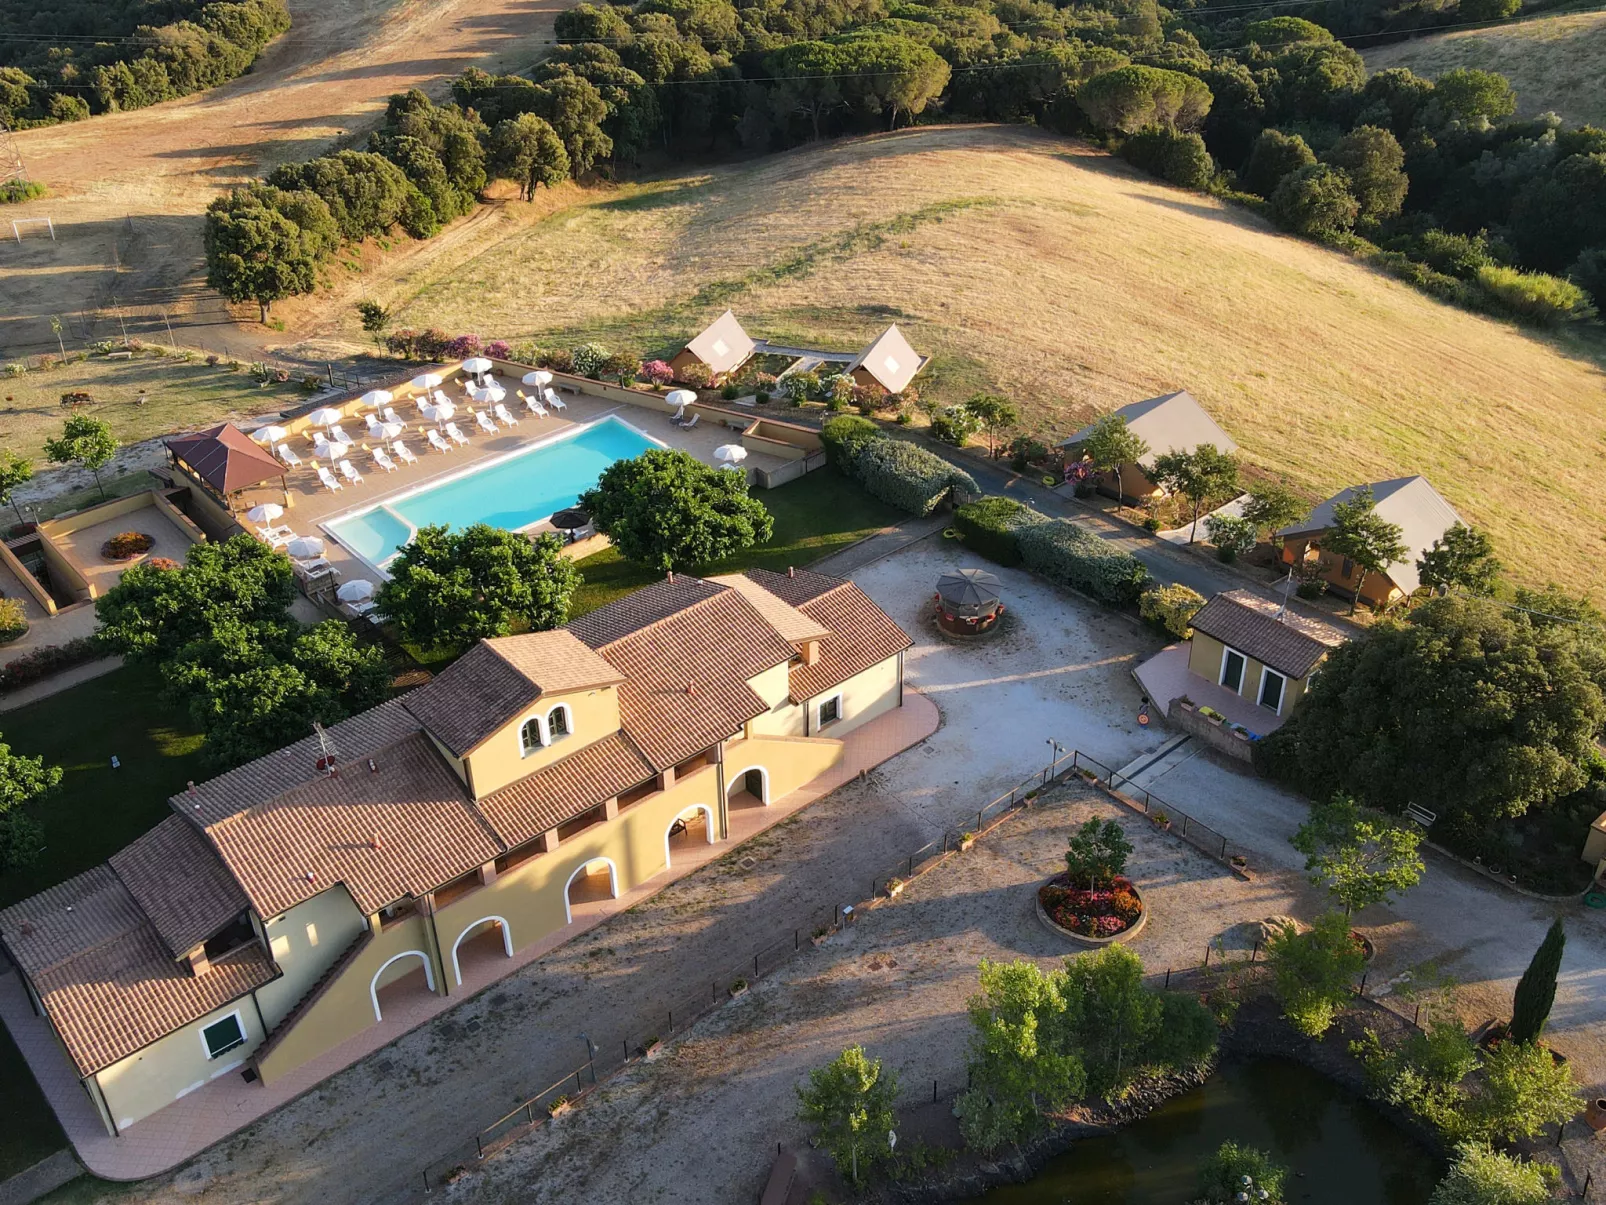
[63, 60]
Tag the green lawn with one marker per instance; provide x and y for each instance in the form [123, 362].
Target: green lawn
[98, 810]
[28, 1129]
[814, 517]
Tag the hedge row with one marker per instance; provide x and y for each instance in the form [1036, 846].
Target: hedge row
[49, 659]
[992, 527]
[907, 476]
[1069, 554]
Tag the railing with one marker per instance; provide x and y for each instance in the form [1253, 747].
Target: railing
[1195, 832]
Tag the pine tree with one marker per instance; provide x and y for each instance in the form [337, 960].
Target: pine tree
[1536, 991]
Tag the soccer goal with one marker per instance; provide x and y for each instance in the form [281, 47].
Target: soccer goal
[18, 223]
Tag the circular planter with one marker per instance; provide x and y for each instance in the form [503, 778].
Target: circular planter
[1126, 934]
[961, 631]
[127, 545]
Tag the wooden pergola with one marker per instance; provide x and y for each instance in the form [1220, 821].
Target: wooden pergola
[224, 459]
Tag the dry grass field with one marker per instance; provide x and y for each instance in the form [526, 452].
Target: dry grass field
[1555, 63]
[1036, 267]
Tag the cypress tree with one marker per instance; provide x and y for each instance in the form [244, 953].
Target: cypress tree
[1536, 991]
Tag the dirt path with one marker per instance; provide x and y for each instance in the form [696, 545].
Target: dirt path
[127, 190]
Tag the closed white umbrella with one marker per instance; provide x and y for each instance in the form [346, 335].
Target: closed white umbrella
[731, 453]
[427, 380]
[477, 365]
[375, 398]
[356, 590]
[327, 416]
[539, 377]
[304, 547]
[269, 435]
[264, 512]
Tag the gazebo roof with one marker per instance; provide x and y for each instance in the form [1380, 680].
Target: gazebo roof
[225, 458]
[969, 588]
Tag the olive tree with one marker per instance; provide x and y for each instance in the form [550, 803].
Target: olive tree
[1362, 857]
[667, 510]
[84, 440]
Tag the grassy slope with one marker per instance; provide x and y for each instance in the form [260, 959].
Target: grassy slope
[1031, 265]
[814, 517]
[1555, 63]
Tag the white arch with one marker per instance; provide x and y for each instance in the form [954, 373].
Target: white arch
[613, 884]
[373, 984]
[763, 777]
[507, 942]
[708, 823]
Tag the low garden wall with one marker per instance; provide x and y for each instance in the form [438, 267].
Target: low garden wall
[29, 582]
[1218, 736]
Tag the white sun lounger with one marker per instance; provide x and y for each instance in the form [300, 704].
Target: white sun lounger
[690, 425]
[290, 459]
[436, 442]
[384, 461]
[403, 452]
[328, 479]
[392, 417]
[533, 406]
[503, 415]
[484, 420]
[339, 435]
[553, 400]
[440, 397]
[350, 473]
[456, 435]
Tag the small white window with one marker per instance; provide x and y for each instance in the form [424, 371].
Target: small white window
[830, 710]
[280, 946]
[721, 347]
[312, 934]
[892, 366]
[530, 736]
[558, 723]
[223, 1035]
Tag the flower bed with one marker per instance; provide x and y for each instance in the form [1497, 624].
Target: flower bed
[126, 545]
[1099, 915]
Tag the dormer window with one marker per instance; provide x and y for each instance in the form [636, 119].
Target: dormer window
[542, 730]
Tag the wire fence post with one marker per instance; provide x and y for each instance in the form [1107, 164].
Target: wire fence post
[1168, 977]
[1207, 954]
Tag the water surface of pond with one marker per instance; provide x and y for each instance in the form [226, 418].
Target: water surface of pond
[1339, 1150]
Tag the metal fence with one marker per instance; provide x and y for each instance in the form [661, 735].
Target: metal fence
[1195, 832]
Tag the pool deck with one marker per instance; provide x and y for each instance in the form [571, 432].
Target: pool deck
[312, 504]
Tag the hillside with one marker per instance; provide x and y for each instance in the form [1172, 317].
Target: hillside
[1555, 63]
[1039, 268]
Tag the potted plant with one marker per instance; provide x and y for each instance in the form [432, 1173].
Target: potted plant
[1186, 703]
[739, 988]
[966, 840]
[559, 1107]
[652, 1048]
[895, 888]
[1161, 821]
[1211, 714]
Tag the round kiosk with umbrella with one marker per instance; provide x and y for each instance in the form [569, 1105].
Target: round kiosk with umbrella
[968, 602]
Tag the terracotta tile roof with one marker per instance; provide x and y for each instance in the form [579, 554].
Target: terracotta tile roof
[564, 789]
[792, 624]
[225, 458]
[426, 828]
[1291, 645]
[862, 635]
[106, 979]
[687, 649]
[177, 879]
[353, 739]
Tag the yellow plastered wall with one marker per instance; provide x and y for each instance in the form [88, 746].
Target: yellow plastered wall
[1204, 659]
[788, 762]
[500, 760]
[864, 696]
[784, 718]
[305, 942]
[346, 1006]
[174, 1066]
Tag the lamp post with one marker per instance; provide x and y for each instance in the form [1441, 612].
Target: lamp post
[1053, 759]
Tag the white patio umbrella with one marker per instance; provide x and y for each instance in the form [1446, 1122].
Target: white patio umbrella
[442, 412]
[680, 399]
[264, 512]
[488, 393]
[304, 547]
[392, 430]
[540, 377]
[375, 398]
[356, 590]
[269, 435]
[731, 453]
[427, 380]
[331, 450]
[326, 416]
[477, 365]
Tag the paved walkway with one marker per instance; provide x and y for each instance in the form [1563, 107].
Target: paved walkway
[57, 683]
[225, 1105]
[49, 1174]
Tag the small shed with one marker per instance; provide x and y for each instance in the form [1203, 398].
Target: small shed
[225, 461]
[722, 347]
[1172, 422]
[969, 601]
[889, 362]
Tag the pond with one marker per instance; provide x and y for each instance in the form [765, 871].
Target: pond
[1339, 1150]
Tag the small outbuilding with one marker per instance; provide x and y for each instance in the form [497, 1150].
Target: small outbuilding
[722, 347]
[1172, 422]
[889, 362]
[969, 601]
[1410, 503]
[224, 461]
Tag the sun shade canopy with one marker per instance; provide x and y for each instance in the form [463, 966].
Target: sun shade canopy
[970, 592]
[225, 458]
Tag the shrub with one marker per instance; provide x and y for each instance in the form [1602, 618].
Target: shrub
[762, 397]
[991, 526]
[909, 477]
[13, 620]
[798, 386]
[1232, 536]
[499, 349]
[589, 358]
[558, 359]
[41, 662]
[125, 545]
[1221, 1179]
[16, 191]
[1315, 971]
[1315, 201]
[1173, 156]
[1534, 296]
[1481, 1176]
[731, 391]
[1065, 552]
[953, 425]
[1172, 607]
[696, 375]
[657, 372]
[842, 437]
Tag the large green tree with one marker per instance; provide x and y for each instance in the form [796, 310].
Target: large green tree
[526, 148]
[1271, 506]
[1462, 558]
[448, 589]
[1466, 708]
[1361, 856]
[1274, 156]
[1110, 444]
[994, 415]
[1536, 990]
[1365, 537]
[1374, 161]
[667, 510]
[1201, 475]
[15, 469]
[1132, 97]
[1314, 972]
[851, 1103]
[84, 440]
[23, 780]
[1315, 201]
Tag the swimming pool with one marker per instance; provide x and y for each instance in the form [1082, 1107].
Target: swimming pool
[514, 492]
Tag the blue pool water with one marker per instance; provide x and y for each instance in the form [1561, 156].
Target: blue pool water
[513, 493]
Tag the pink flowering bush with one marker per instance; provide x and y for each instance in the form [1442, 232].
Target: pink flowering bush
[499, 349]
[657, 372]
[462, 347]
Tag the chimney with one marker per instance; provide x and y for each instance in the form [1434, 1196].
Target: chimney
[373, 842]
[189, 787]
[311, 878]
[791, 571]
[198, 962]
[671, 578]
[373, 767]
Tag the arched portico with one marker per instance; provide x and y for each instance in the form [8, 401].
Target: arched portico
[587, 870]
[470, 931]
[373, 984]
[754, 781]
[688, 814]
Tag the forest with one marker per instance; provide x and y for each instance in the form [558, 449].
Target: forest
[64, 60]
[1434, 182]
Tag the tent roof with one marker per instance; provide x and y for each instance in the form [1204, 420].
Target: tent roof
[225, 458]
[1410, 503]
[1172, 422]
[722, 345]
[890, 360]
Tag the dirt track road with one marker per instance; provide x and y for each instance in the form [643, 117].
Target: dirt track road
[127, 190]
